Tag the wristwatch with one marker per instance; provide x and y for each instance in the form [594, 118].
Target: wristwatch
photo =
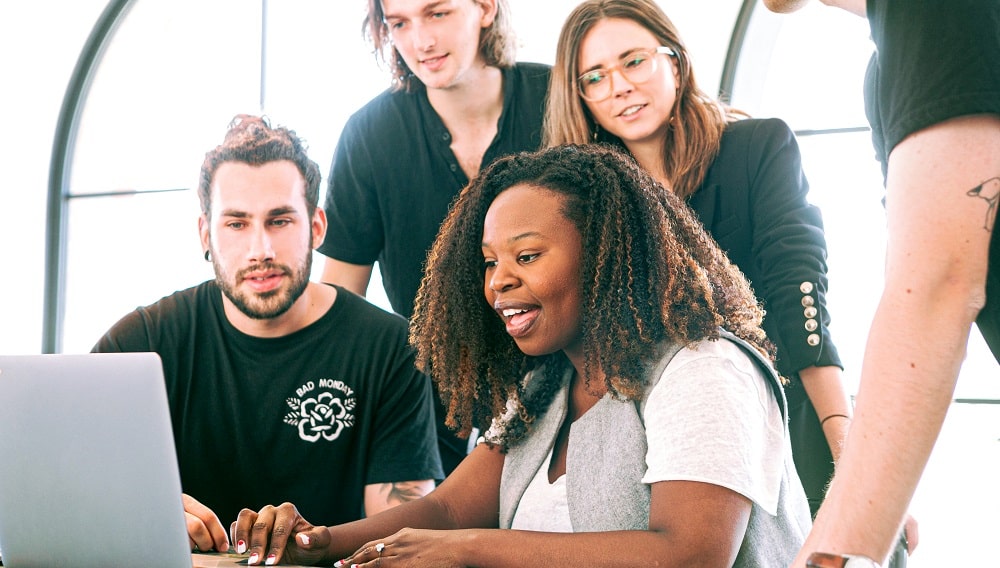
[827, 560]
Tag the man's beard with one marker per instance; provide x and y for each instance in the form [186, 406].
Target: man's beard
[267, 305]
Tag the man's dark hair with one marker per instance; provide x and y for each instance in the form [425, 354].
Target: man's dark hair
[251, 140]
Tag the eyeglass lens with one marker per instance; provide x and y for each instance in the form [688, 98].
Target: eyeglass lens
[636, 67]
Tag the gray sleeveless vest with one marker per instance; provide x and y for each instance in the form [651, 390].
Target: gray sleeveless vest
[607, 459]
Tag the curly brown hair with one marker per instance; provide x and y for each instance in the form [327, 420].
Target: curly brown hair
[251, 140]
[650, 274]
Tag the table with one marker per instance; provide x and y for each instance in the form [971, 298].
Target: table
[221, 560]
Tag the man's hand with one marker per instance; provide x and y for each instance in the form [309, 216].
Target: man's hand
[205, 532]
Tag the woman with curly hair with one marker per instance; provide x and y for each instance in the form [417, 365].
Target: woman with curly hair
[623, 76]
[636, 417]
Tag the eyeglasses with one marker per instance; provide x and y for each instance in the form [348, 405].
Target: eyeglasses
[637, 67]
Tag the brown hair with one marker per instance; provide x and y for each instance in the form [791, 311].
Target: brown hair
[650, 274]
[497, 43]
[251, 140]
[698, 119]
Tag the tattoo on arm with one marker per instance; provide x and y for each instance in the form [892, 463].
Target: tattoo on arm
[402, 491]
[988, 191]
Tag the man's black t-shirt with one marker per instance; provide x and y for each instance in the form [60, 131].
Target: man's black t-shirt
[310, 418]
[394, 177]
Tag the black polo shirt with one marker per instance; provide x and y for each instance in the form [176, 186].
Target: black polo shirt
[394, 177]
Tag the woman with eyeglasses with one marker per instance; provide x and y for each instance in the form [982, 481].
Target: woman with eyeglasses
[622, 76]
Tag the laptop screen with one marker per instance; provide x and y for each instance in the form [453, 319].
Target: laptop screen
[88, 469]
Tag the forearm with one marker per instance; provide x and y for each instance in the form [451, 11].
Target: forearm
[383, 496]
[690, 524]
[908, 377]
[504, 548]
[466, 499]
[425, 513]
[354, 277]
[825, 388]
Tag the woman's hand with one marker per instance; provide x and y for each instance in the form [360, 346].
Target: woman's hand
[411, 548]
[279, 534]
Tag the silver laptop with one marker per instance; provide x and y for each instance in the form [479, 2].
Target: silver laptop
[88, 469]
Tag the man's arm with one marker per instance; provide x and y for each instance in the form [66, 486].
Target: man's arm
[354, 277]
[382, 496]
[940, 219]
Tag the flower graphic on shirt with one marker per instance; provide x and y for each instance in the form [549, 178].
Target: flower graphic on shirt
[321, 417]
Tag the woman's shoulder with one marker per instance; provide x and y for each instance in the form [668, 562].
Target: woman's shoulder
[711, 357]
[750, 128]
[719, 350]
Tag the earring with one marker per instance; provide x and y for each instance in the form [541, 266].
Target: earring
[597, 130]
[208, 256]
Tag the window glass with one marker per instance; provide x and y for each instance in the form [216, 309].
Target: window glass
[126, 252]
[807, 67]
[39, 50]
[171, 79]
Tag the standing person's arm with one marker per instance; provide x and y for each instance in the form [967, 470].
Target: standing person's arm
[354, 277]
[788, 6]
[354, 235]
[825, 388]
[939, 228]
[788, 264]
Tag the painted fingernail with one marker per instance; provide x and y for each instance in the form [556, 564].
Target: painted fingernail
[271, 558]
[304, 538]
[253, 558]
[241, 546]
[338, 564]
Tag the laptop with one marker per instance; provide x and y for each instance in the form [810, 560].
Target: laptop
[88, 469]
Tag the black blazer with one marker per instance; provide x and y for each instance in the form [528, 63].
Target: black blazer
[754, 202]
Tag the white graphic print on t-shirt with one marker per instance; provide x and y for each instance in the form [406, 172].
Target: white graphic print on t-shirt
[321, 413]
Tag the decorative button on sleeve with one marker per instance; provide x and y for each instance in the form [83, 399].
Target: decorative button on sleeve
[810, 312]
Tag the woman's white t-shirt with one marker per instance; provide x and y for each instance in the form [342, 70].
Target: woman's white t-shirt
[712, 418]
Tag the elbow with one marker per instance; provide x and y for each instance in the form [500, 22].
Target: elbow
[968, 288]
[784, 6]
[976, 302]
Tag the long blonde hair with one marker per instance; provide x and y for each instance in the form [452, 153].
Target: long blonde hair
[698, 120]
